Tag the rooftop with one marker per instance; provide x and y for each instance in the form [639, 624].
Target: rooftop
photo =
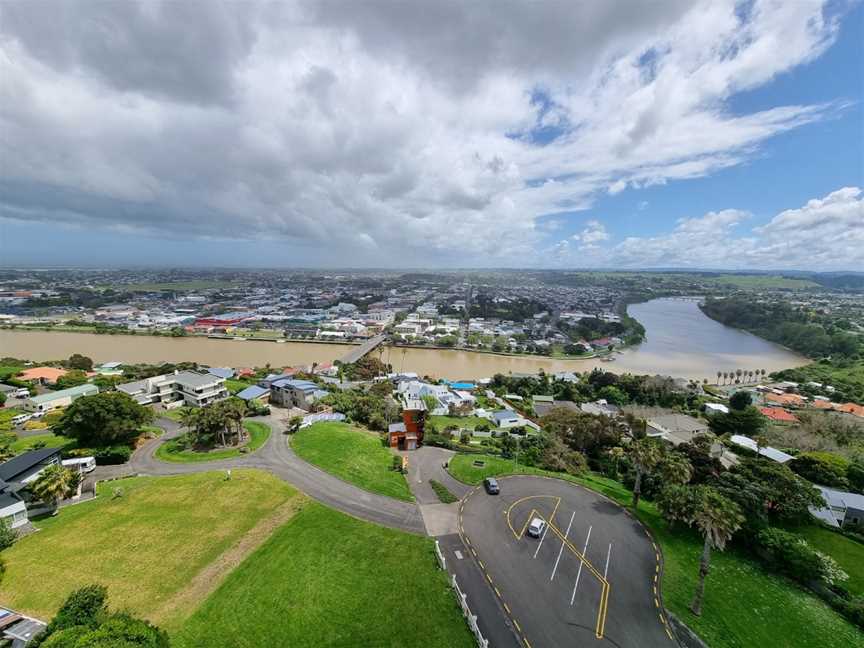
[80, 390]
[23, 462]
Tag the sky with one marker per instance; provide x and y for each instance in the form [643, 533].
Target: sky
[687, 134]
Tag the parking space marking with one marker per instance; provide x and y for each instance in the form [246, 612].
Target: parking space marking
[608, 554]
[540, 544]
[579, 573]
[518, 534]
[563, 542]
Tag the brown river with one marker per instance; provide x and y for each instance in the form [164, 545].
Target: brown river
[681, 341]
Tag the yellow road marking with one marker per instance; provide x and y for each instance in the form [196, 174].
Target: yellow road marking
[498, 592]
[670, 634]
[527, 643]
[661, 619]
[489, 579]
[507, 607]
[518, 627]
[482, 566]
[656, 602]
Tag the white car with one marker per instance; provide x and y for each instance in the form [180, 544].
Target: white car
[536, 528]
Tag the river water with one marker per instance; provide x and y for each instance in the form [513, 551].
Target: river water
[681, 341]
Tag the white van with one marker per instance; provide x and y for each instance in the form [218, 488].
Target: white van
[23, 392]
[21, 419]
[83, 464]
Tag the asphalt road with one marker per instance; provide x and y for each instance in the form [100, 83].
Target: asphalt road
[277, 458]
[595, 588]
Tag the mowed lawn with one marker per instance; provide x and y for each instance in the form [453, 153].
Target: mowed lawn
[461, 422]
[327, 579]
[353, 455]
[22, 444]
[745, 606]
[145, 546]
[172, 452]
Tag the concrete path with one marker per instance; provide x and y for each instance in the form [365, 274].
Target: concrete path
[277, 458]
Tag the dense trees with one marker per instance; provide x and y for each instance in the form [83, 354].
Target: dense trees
[748, 421]
[78, 361]
[218, 423]
[366, 368]
[104, 419]
[71, 379]
[802, 329]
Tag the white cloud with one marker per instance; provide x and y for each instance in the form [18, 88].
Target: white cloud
[824, 234]
[357, 128]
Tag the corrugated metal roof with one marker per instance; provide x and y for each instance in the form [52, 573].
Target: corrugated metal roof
[80, 390]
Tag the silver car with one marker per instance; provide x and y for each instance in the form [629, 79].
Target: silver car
[537, 527]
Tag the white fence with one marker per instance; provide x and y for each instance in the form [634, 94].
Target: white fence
[463, 601]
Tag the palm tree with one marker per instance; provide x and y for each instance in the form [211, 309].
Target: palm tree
[763, 374]
[645, 455]
[675, 468]
[54, 484]
[738, 373]
[716, 517]
[719, 373]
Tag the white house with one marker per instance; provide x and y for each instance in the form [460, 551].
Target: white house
[180, 388]
[63, 398]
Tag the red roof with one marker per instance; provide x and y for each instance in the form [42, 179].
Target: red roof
[851, 408]
[48, 374]
[778, 414]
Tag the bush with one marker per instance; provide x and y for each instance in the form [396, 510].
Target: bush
[7, 535]
[397, 463]
[790, 554]
[111, 455]
[444, 495]
[822, 468]
[81, 608]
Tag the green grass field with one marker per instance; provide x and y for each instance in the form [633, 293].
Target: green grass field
[172, 414]
[236, 386]
[740, 597]
[761, 281]
[23, 444]
[353, 455]
[467, 422]
[848, 553]
[327, 579]
[171, 451]
[144, 546]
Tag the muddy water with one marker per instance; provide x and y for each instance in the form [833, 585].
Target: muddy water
[681, 341]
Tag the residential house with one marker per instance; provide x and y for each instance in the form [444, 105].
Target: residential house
[176, 389]
[53, 400]
[851, 408]
[771, 453]
[221, 372]
[600, 407]
[715, 408]
[841, 510]
[254, 393]
[676, 428]
[785, 400]
[42, 375]
[408, 435]
[12, 507]
[778, 414]
[295, 393]
[15, 475]
[544, 404]
[18, 629]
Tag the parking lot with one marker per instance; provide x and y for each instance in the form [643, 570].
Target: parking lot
[591, 578]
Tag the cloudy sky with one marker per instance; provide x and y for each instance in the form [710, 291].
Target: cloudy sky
[456, 134]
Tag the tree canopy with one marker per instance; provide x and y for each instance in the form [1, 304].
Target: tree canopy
[104, 419]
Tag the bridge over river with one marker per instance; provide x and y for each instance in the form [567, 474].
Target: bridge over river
[358, 352]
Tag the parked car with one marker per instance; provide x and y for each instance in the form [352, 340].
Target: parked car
[81, 464]
[491, 486]
[21, 419]
[536, 528]
[21, 393]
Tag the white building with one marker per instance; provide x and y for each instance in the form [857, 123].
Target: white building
[180, 388]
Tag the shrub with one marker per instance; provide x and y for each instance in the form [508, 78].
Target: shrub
[444, 495]
[7, 535]
[822, 468]
[81, 608]
[790, 554]
[111, 455]
[397, 463]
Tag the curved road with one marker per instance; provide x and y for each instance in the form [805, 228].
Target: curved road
[277, 458]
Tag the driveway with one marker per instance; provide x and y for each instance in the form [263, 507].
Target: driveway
[277, 458]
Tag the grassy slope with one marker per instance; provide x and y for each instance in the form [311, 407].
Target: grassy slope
[744, 605]
[353, 455]
[326, 579]
[469, 422]
[50, 440]
[144, 546]
[847, 552]
[169, 451]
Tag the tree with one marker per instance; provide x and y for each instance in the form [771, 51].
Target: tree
[740, 400]
[7, 535]
[54, 484]
[71, 379]
[675, 468]
[104, 419]
[716, 517]
[82, 362]
[645, 455]
[748, 422]
[293, 424]
[822, 468]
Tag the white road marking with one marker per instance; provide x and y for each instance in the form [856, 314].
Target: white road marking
[581, 562]
[540, 544]
[608, 553]
[563, 542]
[458, 554]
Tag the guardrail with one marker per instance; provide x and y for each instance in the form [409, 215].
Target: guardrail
[463, 601]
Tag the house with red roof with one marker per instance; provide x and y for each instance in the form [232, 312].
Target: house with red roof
[778, 414]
